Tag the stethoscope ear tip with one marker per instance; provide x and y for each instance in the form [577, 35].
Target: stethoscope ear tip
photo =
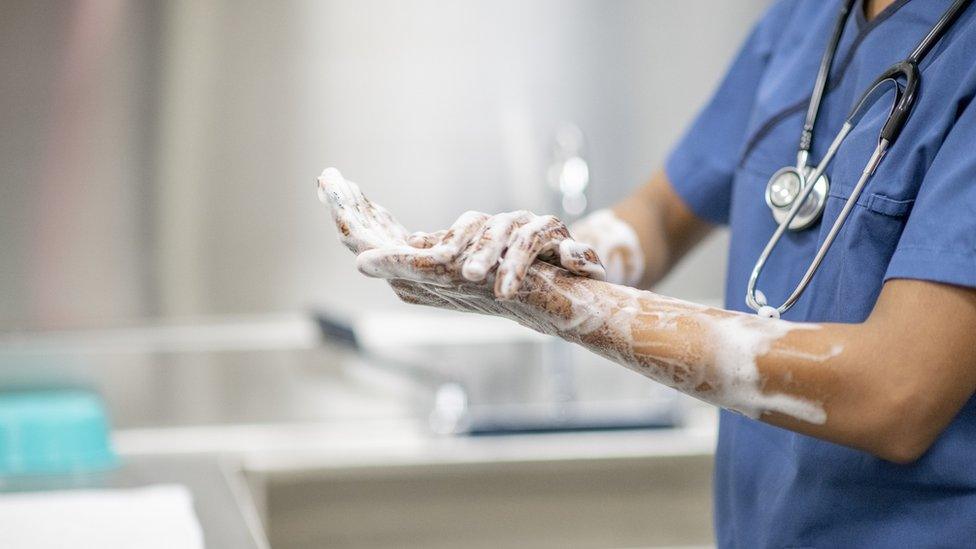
[767, 311]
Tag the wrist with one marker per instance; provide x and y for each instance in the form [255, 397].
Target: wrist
[555, 302]
[616, 242]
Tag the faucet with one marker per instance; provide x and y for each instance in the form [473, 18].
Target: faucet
[569, 173]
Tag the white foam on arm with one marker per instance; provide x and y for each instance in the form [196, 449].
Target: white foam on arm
[704, 352]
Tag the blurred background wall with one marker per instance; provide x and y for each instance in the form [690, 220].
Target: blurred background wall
[157, 157]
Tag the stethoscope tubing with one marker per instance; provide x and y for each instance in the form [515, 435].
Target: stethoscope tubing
[867, 99]
[752, 299]
[820, 87]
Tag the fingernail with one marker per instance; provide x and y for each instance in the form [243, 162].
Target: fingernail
[597, 272]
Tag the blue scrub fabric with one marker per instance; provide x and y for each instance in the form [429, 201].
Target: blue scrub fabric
[916, 219]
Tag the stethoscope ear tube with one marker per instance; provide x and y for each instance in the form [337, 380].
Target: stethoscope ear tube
[906, 100]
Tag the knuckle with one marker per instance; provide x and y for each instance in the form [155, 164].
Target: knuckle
[499, 220]
[530, 238]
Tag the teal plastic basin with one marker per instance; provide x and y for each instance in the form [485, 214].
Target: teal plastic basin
[53, 431]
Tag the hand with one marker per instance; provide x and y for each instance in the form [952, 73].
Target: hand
[507, 244]
[362, 224]
[476, 249]
[453, 269]
[733, 360]
[616, 243]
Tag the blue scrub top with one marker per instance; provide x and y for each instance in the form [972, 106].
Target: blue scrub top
[916, 219]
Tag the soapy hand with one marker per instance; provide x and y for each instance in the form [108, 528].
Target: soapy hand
[429, 268]
[616, 243]
[477, 250]
[362, 224]
[507, 245]
[708, 353]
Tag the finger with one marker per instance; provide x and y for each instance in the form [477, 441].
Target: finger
[384, 222]
[331, 189]
[374, 216]
[489, 245]
[581, 259]
[362, 224]
[424, 240]
[354, 232]
[431, 265]
[459, 236]
[527, 242]
[405, 263]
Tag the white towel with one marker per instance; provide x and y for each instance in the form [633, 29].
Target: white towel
[151, 517]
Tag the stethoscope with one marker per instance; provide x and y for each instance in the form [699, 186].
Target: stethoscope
[797, 204]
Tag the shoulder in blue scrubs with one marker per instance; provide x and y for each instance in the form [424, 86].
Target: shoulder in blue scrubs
[916, 219]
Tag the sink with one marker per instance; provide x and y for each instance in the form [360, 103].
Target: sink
[339, 453]
[633, 502]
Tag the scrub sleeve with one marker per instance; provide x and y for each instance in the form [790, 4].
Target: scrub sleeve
[939, 240]
[702, 165]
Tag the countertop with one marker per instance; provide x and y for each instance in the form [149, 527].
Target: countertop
[221, 500]
[270, 391]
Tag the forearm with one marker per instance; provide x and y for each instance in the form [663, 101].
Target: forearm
[888, 385]
[838, 382]
[708, 353]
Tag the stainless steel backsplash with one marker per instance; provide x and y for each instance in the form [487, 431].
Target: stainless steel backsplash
[157, 157]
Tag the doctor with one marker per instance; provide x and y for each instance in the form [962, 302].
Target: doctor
[850, 421]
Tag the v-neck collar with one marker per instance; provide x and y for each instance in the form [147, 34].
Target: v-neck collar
[863, 25]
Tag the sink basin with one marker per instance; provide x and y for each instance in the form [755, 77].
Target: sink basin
[635, 502]
[339, 454]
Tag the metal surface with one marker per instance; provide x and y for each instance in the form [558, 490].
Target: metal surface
[188, 130]
[556, 504]
[314, 403]
[539, 386]
[314, 426]
[275, 371]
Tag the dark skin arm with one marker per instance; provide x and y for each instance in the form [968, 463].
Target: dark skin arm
[905, 372]
[903, 376]
[665, 226]
[888, 385]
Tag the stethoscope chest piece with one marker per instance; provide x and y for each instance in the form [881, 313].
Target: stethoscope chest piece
[783, 189]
